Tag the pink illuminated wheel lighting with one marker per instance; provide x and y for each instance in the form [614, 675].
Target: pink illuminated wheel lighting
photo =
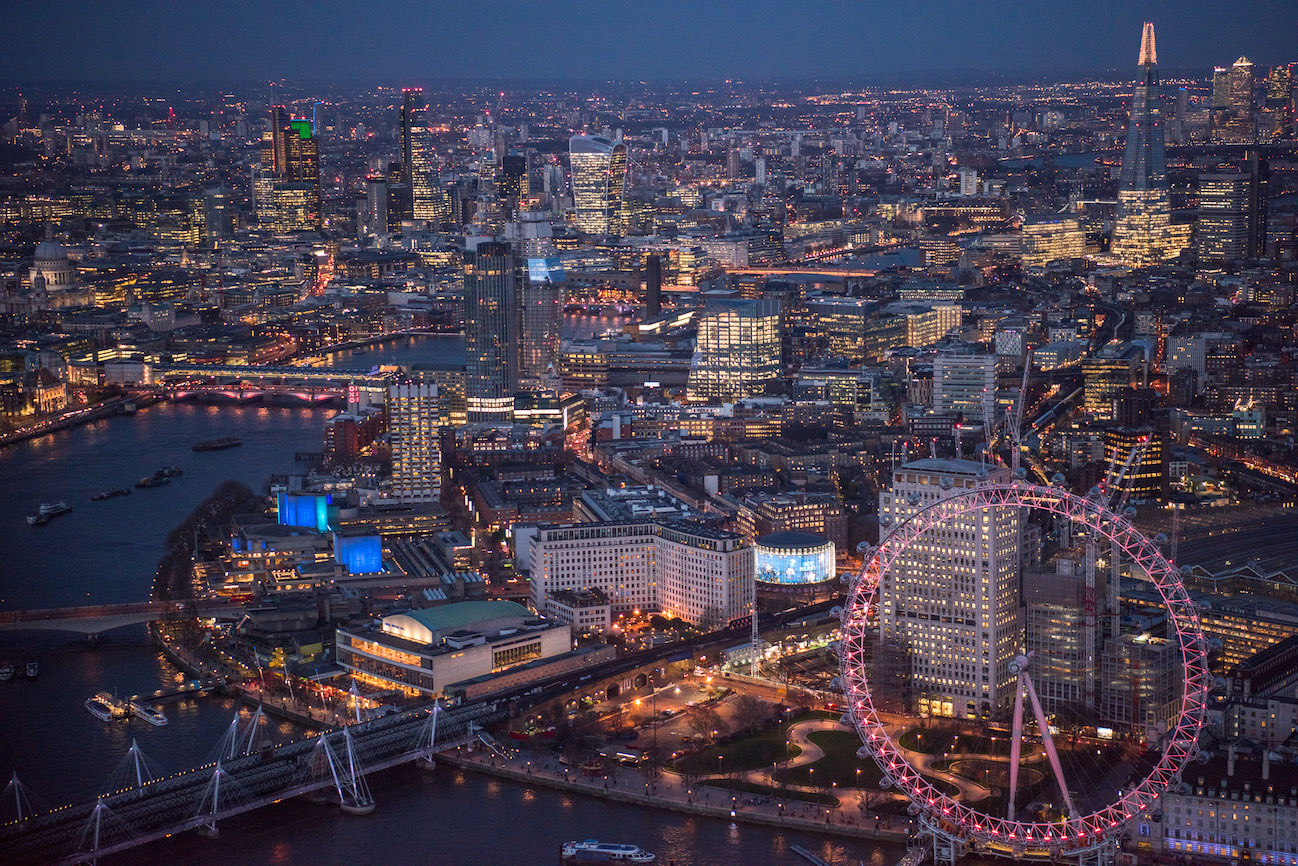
[968, 823]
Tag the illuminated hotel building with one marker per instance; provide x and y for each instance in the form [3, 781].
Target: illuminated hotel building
[429, 202]
[491, 325]
[1144, 233]
[951, 601]
[598, 183]
[684, 569]
[414, 422]
[738, 351]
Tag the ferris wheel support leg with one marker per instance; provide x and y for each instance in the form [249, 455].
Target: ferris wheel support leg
[947, 849]
[1016, 746]
[1050, 747]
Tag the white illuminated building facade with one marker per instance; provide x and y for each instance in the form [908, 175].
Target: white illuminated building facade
[682, 569]
[950, 603]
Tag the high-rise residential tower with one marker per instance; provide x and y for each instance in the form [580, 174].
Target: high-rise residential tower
[598, 183]
[1144, 233]
[491, 328]
[414, 422]
[950, 604]
[738, 351]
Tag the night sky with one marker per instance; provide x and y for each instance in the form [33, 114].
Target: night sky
[220, 41]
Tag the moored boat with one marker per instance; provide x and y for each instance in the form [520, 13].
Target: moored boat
[153, 481]
[109, 494]
[593, 851]
[99, 708]
[6, 671]
[33, 669]
[218, 444]
[152, 715]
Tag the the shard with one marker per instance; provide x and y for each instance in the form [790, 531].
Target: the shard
[1144, 233]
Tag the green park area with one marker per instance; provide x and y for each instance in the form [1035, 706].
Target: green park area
[753, 752]
[838, 766]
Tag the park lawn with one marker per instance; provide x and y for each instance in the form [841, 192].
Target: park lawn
[777, 794]
[838, 765]
[936, 740]
[750, 753]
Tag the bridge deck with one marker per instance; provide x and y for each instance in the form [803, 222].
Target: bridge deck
[172, 805]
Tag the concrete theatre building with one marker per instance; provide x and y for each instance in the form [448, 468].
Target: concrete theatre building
[465, 649]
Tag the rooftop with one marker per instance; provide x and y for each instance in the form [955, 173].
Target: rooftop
[450, 617]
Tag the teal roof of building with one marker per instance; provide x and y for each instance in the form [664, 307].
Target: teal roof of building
[449, 617]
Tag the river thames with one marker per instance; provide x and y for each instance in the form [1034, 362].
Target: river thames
[105, 552]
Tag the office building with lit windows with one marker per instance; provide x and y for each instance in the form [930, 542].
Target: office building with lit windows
[950, 604]
[598, 183]
[1222, 233]
[1147, 480]
[964, 383]
[1050, 240]
[1103, 378]
[738, 350]
[414, 422]
[491, 330]
[678, 567]
[287, 184]
[1144, 233]
[428, 201]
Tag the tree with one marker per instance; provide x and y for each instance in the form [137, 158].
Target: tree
[750, 712]
[704, 719]
[651, 766]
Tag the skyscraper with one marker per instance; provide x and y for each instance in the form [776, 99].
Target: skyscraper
[951, 603]
[598, 183]
[653, 283]
[1222, 233]
[491, 327]
[738, 351]
[427, 201]
[414, 421]
[1144, 233]
[288, 185]
[1241, 87]
[542, 312]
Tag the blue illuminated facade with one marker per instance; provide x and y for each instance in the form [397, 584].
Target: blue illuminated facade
[794, 559]
[304, 509]
[359, 554]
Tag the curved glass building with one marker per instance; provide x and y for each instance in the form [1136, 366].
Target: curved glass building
[598, 183]
[794, 559]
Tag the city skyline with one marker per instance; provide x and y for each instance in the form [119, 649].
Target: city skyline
[241, 42]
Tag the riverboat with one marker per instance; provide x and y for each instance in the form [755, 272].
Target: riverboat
[592, 851]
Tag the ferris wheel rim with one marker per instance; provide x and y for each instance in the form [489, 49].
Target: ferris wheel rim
[962, 820]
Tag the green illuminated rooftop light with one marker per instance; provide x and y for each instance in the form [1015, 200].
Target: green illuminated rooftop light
[302, 127]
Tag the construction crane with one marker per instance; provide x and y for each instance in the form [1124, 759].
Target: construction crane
[1015, 422]
[1113, 493]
